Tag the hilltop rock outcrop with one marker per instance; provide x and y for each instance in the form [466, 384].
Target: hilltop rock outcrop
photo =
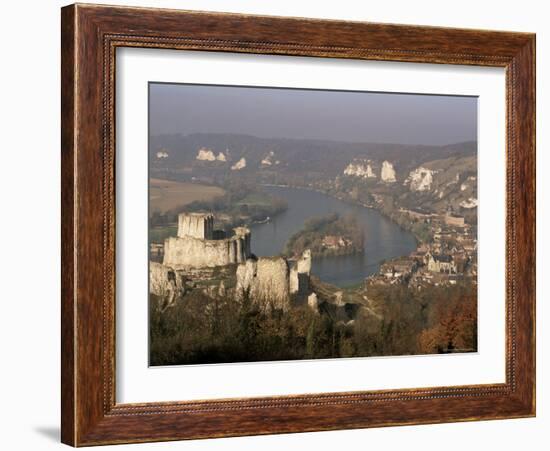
[366, 169]
[387, 173]
[268, 160]
[241, 164]
[358, 168]
[205, 154]
[420, 179]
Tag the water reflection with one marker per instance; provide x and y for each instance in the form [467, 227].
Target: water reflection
[383, 238]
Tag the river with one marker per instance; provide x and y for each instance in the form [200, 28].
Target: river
[383, 238]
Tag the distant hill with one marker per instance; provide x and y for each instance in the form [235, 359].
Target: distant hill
[433, 178]
[291, 155]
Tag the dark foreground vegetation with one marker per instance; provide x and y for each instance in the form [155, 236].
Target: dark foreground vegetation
[207, 329]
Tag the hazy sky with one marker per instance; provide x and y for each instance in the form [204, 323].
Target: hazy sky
[297, 113]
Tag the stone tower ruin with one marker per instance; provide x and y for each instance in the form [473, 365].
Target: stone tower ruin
[195, 245]
[197, 225]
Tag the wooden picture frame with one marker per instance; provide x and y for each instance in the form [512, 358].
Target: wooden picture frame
[90, 36]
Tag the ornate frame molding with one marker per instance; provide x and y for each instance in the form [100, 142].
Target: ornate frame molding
[90, 36]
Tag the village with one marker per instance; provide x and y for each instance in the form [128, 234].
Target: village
[449, 258]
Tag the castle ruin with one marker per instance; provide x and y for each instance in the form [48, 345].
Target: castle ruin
[269, 282]
[198, 245]
[197, 225]
[299, 275]
[266, 281]
[166, 283]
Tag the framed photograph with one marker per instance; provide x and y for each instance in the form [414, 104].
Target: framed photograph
[279, 225]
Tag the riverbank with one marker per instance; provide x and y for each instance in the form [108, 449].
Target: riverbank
[419, 239]
[383, 239]
[234, 204]
[327, 236]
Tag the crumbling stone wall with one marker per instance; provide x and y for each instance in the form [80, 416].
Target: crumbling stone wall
[194, 247]
[266, 281]
[165, 283]
[299, 274]
[189, 252]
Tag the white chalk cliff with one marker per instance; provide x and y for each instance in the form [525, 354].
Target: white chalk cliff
[387, 174]
[360, 169]
[241, 164]
[268, 159]
[205, 154]
[420, 179]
